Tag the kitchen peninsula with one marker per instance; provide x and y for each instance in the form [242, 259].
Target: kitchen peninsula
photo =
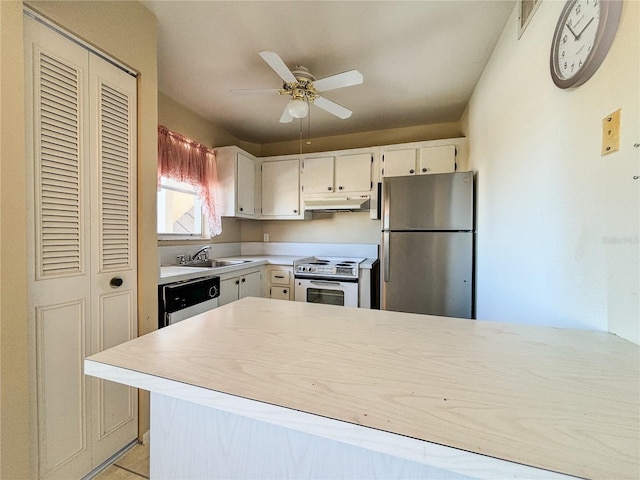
[264, 388]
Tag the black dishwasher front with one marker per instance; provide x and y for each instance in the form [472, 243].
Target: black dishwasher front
[180, 300]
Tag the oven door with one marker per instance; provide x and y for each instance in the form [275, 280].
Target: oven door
[329, 292]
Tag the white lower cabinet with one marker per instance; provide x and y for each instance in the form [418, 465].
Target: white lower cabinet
[240, 284]
[280, 282]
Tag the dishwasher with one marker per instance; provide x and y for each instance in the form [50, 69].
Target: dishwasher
[178, 301]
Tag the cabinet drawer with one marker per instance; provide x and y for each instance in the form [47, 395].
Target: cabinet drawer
[280, 293]
[280, 277]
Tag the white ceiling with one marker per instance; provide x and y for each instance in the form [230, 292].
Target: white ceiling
[420, 59]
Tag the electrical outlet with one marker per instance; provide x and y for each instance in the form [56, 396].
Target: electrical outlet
[266, 237]
[611, 133]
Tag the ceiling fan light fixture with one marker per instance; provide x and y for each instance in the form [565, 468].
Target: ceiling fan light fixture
[298, 108]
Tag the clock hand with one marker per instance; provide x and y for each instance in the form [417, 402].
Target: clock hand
[572, 32]
[583, 28]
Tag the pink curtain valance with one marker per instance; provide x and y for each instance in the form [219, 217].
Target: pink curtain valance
[184, 160]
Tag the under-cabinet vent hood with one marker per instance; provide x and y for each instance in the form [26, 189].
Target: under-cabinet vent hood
[333, 204]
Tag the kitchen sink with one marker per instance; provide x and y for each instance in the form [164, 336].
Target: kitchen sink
[217, 263]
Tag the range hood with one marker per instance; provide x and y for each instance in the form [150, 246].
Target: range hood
[336, 204]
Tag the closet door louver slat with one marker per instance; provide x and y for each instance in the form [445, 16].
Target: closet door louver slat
[115, 174]
[58, 170]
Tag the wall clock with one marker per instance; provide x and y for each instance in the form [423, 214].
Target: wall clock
[582, 38]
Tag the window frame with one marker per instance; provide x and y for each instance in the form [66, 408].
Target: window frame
[204, 228]
[523, 22]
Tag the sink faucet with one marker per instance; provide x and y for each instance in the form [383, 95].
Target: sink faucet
[202, 254]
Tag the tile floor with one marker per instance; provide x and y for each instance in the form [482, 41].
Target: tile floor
[134, 465]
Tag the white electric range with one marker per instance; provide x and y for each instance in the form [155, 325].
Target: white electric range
[328, 280]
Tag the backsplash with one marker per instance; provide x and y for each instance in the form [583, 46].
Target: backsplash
[167, 254]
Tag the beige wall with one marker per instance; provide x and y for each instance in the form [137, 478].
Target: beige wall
[14, 394]
[557, 222]
[341, 227]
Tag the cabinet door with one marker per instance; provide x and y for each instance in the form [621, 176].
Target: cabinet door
[317, 175]
[251, 285]
[281, 188]
[280, 293]
[399, 163]
[229, 289]
[353, 173]
[440, 159]
[246, 185]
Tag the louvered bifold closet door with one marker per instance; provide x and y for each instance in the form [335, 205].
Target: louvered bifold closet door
[81, 203]
[113, 230]
[59, 284]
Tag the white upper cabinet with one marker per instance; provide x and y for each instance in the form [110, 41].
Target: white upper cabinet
[422, 158]
[338, 173]
[317, 175]
[353, 172]
[281, 189]
[440, 159]
[246, 185]
[237, 178]
[398, 163]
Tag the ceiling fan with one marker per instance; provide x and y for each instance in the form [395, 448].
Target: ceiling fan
[304, 89]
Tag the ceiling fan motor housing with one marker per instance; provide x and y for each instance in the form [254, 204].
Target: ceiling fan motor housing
[303, 89]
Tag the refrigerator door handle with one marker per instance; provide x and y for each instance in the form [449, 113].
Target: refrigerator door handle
[386, 195]
[385, 255]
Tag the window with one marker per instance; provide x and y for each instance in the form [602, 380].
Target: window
[180, 210]
[526, 9]
[187, 187]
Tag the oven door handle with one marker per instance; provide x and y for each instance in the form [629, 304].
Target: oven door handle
[318, 282]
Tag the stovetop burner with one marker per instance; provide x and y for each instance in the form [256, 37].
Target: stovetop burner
[329, 267]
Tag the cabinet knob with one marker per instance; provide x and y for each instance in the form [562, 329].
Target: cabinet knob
[412, 171]
[116, 282]
[424, 169]
[329, 188]
[295, 211]
[284, 291]
[241, 209]
[340, 187]
[237, 282]
[244, 280]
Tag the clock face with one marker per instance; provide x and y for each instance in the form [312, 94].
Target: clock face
[577, 37]
[582, 38]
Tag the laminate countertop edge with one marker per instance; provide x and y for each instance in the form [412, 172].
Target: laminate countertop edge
[416, 450]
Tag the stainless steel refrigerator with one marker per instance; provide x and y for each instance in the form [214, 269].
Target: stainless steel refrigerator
[427, 244]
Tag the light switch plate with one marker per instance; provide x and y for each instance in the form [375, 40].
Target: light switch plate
[611, 133]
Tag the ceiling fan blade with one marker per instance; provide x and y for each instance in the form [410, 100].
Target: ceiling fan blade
[254, 91]
[286, 116]
[275, 62]
[345, 79]
[332, 107]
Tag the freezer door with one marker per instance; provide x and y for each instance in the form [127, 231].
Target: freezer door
[428, 202]
[428, 272]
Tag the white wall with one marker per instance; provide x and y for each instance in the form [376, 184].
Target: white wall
[557, 223]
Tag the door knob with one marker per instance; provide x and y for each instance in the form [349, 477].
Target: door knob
[116, 282]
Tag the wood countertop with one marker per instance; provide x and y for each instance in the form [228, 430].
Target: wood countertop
[563, 400]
